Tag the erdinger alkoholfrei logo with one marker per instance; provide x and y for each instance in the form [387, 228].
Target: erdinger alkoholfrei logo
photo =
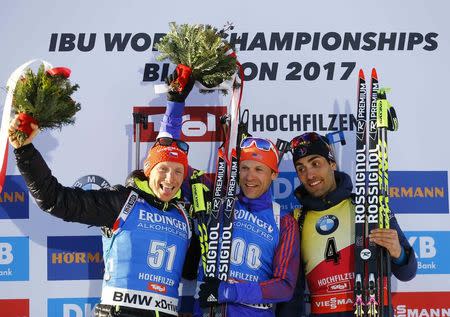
[91, 182]
[327, 224]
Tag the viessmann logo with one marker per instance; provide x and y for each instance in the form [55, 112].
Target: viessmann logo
[421, 304]
[74, 258]
[200, 124]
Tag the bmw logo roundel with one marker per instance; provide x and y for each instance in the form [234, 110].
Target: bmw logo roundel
[327, 224]
[91, 182]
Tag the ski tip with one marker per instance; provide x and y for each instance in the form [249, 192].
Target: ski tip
[361, 73]
[374, 73]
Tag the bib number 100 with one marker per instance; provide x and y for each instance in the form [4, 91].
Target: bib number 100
[241, 252]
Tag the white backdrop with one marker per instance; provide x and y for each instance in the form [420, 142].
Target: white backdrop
[413, 61]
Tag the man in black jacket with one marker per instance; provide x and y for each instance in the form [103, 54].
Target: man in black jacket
[147, 229]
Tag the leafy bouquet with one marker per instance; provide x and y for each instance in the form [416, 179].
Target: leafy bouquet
[203, 49]
[44, 99]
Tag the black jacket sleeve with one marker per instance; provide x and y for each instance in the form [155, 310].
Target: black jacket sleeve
[93, 207]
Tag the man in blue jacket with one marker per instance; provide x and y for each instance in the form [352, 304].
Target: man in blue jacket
[327, 233]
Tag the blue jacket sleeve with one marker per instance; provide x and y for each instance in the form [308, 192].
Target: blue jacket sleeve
[172, 120]
[408, 270]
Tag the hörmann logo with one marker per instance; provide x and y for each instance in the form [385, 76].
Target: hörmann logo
[200, 124]
[74, 258]
[14, 198]
[419, 191]
[423, 192]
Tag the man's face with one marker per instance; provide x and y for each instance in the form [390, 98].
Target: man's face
[255, 178]
[165, 179]
[316, 174]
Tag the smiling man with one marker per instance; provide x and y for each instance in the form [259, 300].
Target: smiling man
[327, 233]
[146, 227]
[265, 250]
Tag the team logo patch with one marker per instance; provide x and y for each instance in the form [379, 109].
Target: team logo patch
[174, 154]
[327, 224]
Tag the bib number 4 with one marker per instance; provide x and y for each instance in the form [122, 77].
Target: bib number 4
[331, 251]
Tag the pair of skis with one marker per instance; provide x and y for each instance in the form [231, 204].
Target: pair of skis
[372, 263]
[215, 212]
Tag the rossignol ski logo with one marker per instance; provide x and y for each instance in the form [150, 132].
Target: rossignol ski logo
[360, 185]
[365, 254]
[213, 238]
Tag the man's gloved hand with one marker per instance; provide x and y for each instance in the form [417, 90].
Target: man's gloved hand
[209, 292]
[179, 96]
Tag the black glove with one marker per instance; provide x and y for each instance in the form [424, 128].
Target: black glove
[209, 292]
[175, 95]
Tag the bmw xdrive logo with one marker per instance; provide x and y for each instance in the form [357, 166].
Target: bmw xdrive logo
[327, 224]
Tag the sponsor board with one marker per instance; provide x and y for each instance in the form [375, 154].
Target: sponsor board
[432, 251]
[283, 190]
[421, 304]
[418, 192]
[74, 258]
[200, 124]
[14, 198]
[72, 307]
[14, 258]
[15, 307]
[410, 191]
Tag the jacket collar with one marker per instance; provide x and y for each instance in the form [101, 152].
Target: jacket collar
[255, 204]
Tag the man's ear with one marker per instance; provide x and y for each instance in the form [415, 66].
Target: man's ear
[333, 166]
[274, 176]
